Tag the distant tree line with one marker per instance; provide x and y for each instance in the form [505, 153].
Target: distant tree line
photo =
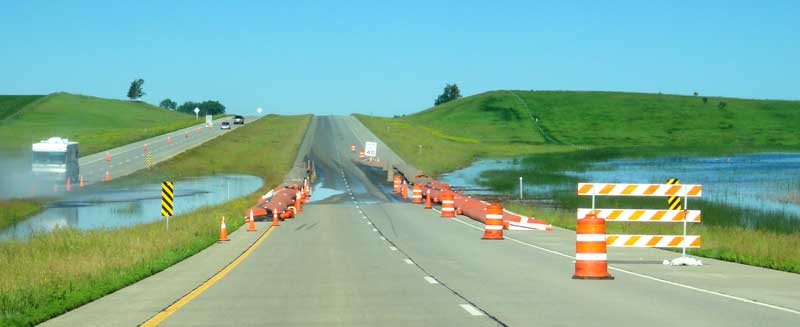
[168, 104]
[450, 93]
[209, 107]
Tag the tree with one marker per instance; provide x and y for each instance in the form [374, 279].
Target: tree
[705, 100]
[695, 93]
[209, 107]
[722, 105]
[450, 93]
[168, 104]
[135, 91]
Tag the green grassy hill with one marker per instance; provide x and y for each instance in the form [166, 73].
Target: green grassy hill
[615, 118]
[11, 104]
[504, 123]
[96, 123]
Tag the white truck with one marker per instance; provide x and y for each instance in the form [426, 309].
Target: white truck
[55, 159]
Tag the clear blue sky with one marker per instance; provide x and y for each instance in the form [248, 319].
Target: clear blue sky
[393, 58]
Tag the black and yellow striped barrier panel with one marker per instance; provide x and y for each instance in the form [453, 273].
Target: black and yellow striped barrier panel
[675, 202]
[167, 197]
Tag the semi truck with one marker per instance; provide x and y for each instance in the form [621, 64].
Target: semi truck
[55, 159]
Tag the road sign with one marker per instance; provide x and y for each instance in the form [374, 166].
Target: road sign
[196, 112]
[371, 149]
[148, 160]
[674, 202]
[209, 120]
[167, 197]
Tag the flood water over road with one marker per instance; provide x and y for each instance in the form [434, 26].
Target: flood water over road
[762, 181]
[132, 205]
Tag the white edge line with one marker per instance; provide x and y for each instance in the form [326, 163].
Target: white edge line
[472, 310]
[431, 280]
[656, 279]
[392, 248]
[408, 261]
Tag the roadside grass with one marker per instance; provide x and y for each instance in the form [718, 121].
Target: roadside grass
[51, 273]
[597, 126]
[12, 104]
[98, 124]
[17, 209]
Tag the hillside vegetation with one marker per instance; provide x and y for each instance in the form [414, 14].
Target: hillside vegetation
[96, 123]
[11, 104]
[502, 123]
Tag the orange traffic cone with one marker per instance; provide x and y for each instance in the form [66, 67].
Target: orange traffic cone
[69, 184]
[275, 218]
[428, 204]
[107, 177]
[169, 139]
[251, 223]
[404, 191]
[223, 231]
[82, 183]
[298, 203]
[145, 147]
[108, 156]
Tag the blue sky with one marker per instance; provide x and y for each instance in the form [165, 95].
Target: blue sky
[389, 58]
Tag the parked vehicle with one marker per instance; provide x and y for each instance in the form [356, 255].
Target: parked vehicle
[225, 125]
[238, 120]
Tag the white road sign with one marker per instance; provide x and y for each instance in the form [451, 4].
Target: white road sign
[371, 149]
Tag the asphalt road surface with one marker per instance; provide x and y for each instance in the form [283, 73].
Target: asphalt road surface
[357, 256]
[128, 159]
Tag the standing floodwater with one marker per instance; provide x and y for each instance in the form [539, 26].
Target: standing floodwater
[133, 205]
[761, 181]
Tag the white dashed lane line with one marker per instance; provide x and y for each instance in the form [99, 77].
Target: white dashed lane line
[472, 310]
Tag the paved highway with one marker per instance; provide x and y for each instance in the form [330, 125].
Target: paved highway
[130, 158]
[356, 256]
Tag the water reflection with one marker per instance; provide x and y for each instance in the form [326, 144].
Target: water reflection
[763, 181]
[134, 205]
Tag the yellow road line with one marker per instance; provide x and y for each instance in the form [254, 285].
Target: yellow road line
[158, 318]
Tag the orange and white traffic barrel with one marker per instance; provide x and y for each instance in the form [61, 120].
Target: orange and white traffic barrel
[591, 260]
[448, 204]
[397, 183]
[353, 147]
[416, 193]
[493, 230]
[361, 155]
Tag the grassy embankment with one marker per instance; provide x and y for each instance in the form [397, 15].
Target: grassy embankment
[13, 210]
[51, 273]
[96, 123]
[594, 126]
[495, 126]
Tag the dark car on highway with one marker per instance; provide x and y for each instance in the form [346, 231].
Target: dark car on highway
[238, 120]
